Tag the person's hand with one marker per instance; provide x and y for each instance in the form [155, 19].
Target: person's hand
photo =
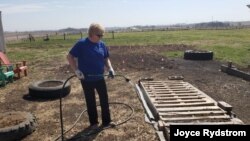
[111, 73]
[79, 74]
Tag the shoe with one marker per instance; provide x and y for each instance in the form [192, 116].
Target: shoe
[93, 127]
[111, 124]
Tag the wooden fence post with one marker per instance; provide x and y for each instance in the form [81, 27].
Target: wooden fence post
[113, 35]
[64, 36]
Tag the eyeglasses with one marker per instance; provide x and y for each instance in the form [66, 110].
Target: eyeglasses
[99, 35]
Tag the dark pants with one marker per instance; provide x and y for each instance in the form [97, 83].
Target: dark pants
[89, 91]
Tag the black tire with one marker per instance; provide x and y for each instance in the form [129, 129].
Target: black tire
[198, 55]
[40, 90]
[14, 130]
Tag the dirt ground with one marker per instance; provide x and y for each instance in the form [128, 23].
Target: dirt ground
[135, 63]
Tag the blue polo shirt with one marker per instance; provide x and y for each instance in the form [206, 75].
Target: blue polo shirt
[91, 58]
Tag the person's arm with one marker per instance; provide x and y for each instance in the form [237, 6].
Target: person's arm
[108, 64]
[110, 68]
[72, 62]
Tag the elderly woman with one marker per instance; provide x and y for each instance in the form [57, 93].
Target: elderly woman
[88, 58]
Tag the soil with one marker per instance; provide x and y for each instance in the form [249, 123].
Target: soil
[7, 120]
[50, 84]
[135, 62]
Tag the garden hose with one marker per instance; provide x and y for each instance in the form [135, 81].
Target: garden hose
[111, 103]
[61, 116]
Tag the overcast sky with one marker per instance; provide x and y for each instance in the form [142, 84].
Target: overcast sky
[27, 15]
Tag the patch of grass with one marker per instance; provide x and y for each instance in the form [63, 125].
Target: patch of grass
[174, 54]
[240, 55]
[233, 44]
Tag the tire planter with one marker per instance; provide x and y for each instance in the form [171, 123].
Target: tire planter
[49, 89]
[16, 125]
[198, 55]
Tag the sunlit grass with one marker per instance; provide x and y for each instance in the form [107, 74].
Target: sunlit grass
[174, 54]
[233, 45]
